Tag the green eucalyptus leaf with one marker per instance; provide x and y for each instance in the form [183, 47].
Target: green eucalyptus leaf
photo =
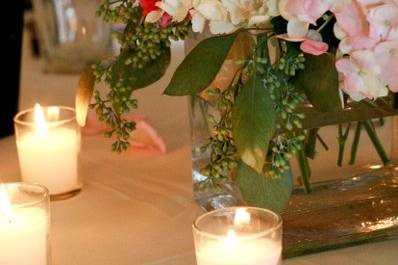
[264, 191]
[134, 78]
[320, 82]
[200, 67]
[254, 122]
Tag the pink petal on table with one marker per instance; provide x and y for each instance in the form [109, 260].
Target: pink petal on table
[144, 139]
[93, 125]
[314, 47]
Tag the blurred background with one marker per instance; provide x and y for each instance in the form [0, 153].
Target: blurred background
[64, 35]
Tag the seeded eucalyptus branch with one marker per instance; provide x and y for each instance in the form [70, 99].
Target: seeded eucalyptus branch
[221, 146]
[143, 59]
[276, 79]
[289, 133]
[288, 136]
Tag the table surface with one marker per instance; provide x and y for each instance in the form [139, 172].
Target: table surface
[137, 209]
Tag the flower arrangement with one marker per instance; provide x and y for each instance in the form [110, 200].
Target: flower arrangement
[334, 54]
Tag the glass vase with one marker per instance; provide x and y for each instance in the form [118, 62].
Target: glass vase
[353, 197]
[71, 36]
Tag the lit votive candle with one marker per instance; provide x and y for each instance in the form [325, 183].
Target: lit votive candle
[24, 224]
[48, 143]
[238, 236]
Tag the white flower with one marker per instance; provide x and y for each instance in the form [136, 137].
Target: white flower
[198, 21]
[177, 9]
[226, 16]
[215, 13]
[154, 16]
[241, 10]
[221, 27]
[211, 9]
[273, 8]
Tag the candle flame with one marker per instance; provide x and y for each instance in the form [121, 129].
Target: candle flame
[5, 205]
[53, 113]
[242, 217]
[40, 121]
[231, 241]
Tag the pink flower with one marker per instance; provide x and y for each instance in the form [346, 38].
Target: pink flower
[359, 42]
[383, 21]
[301, 13]
[350, 17]
[353, 25]
[387, 58]
[314, 47]
[359, 76]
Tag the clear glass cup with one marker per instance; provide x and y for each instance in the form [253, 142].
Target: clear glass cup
[238, 236]
[24, 224]
[49, 148]
[71, 36]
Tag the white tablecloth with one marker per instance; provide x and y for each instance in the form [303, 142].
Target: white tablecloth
[138, 209]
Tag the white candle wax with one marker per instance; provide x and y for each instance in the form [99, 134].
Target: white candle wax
[261, 251]
[23, 238]
[50, 159]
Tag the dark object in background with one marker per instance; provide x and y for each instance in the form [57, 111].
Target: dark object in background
[12, 25]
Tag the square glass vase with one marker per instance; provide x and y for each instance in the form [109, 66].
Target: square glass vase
[348, 204]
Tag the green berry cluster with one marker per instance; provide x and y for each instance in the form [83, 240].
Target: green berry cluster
[146, 42]
[290, 63]
[117, 10]
[221, 147]
[121, 128]
[141, 43]
[289, 135]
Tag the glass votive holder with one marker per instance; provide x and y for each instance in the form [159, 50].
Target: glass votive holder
[48, 143]
[238, 236]
[24, 224]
